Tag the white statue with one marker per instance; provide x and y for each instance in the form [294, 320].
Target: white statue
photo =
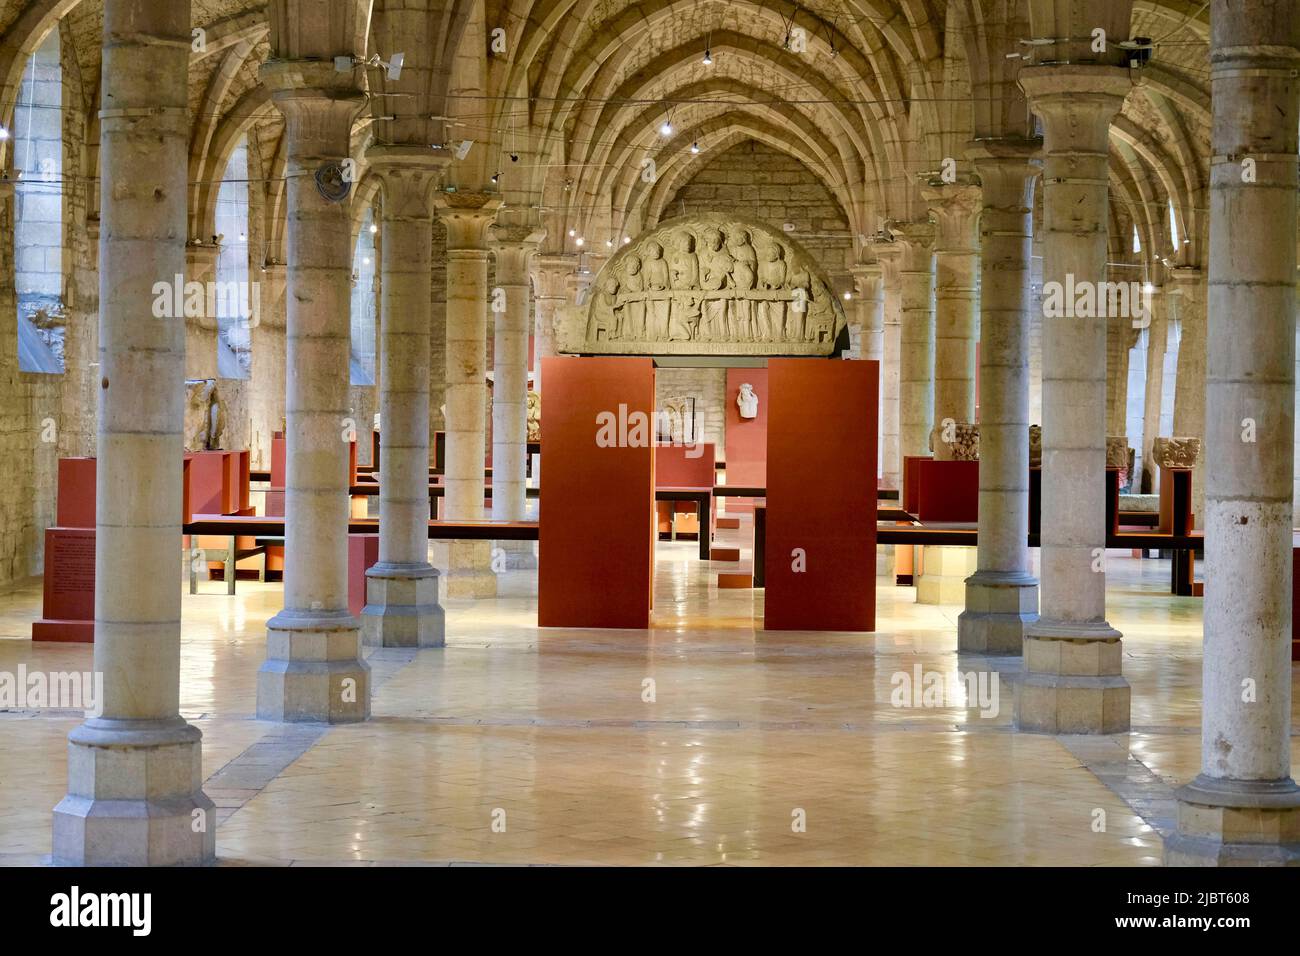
[747, 401]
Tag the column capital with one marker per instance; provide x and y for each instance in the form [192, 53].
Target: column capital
[551, 273]
[1076, 101]
[915, 241]
[868, 278]
[467, 217]
[319, 105]
[514, 247]
[956, 210]
[408, 176]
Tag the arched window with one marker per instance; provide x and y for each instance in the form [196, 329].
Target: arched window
[1173, 227]
[38, 216]
[364, 303]
[1137, 242]
[235, 298]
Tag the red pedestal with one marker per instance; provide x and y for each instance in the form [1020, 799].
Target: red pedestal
[912, 482]
[597, 505]
[76, 498]
[363, 554]
[820, 560]
[947, 490]
[68, 608]
[746, 448]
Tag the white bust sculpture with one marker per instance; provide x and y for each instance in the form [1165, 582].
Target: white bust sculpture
[747, 401]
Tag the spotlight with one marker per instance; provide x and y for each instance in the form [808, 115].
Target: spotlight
[514, 157]
[695, 147]
[579, 241]
[848, 296]
[572, 233]
[4, 132]
[609, 243]
[496, 177]
[708, 57]
[626, 240]
[666, 129]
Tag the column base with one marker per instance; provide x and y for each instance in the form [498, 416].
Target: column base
[999, 607]
[1072, 681]
[469, 571]
[944, 570]
[1236, 823]
[402, 608]
[313, 669]
[135, 797]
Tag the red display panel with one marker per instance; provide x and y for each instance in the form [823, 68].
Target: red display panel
[596, 555]
[363, 554]
[68, 609]
[746, 438]
[947, 490]
[821, 495]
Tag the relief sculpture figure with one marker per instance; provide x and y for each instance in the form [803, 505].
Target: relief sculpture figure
[771, 278]
[634, 304]
[744, 272]
[656, 280]
[684, 277]
[715, 268]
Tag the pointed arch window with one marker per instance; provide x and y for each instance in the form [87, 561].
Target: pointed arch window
[235, 298]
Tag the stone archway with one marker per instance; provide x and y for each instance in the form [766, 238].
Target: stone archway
[707, 284]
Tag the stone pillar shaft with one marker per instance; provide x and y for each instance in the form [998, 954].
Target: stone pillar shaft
[1242, 808]
[467, 217]
[1152, 398]
[869, 284]
[313, 669]
[956, 212]
[402, 588]
[1002, 595]
[134, 770]
[888, 255]
[916, 345]
[514, 248]
[201, 331]
[1189, 383]
[1073, 681]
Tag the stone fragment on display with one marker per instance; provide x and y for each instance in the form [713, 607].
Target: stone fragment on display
[1176, 452]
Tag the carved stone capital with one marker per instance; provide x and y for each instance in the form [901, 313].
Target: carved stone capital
[1076, 102]
[409, 176]
[467, 217]
[514, 246]
[956, 210]
[551, 274]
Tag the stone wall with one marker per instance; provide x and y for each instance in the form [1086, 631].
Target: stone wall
[754, 180]
[708, 387]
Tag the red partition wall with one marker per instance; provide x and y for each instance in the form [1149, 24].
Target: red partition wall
[746, 438]
[596, 555]
[947, 490]
[821, 495]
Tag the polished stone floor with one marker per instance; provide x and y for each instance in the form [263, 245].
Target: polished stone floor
[701, 741]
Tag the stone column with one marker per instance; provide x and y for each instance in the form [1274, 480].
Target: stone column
[551, 275]
[1073, 682]
[1189, 383]
[888, 255]
[514, 248]
[313, 668]
[956, 211]
[135, 775]
[402, 607]
[916, 346]
[1002, 594]
[467, 217]
[869, 286]
[1242, 807]
[1157, 345]
[201, 331]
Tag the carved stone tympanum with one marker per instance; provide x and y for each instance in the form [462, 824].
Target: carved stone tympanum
[1176, 452]
[534, 416]
[706, 284]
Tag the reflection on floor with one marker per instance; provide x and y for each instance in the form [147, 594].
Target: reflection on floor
[701, 741]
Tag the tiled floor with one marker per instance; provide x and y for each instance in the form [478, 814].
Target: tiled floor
[516, 745]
